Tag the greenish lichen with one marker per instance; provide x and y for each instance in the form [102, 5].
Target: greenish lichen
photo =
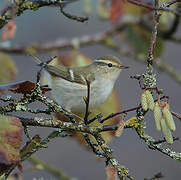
[21, 107]
[149, 79]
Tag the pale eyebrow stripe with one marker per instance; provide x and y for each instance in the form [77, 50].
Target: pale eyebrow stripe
[106, 62]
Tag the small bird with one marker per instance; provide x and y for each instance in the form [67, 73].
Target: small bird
[69, 84]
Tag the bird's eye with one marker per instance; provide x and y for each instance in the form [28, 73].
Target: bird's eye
[109, 65]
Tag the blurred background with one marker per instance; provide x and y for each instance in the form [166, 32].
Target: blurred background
[48, 25]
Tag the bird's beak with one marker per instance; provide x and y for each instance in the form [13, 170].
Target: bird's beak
[123, 67]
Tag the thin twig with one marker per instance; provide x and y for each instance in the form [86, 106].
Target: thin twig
[126, 111]
[154, 36]
[151, 144]
[176, 115]
[73, 17]
[164, 140]
[97, 117]
[162, 8]
[46, 167]
[155, 177]
[17, 9]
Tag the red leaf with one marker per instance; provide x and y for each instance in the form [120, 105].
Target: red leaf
[9, 30]
[20, 167]
[116, 10]
[10, 141]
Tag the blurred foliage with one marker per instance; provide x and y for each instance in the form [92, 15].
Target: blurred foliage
[136, 35]
[8, 69]
[139, 39]
[10, 141]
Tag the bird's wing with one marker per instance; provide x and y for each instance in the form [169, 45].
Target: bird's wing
[69, 74]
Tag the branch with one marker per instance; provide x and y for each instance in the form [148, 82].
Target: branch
[178, 116]
[151, 143]
[32, 147]
[156, 176]
[93, 146]
[99, 38]
[20, 6]
[121, 171]
[153, 37]
[70, 16]
[46, 167]
[67, 126]
[66, 44]
[159, 63]
[164, 7]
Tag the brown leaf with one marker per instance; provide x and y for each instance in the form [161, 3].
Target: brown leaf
[116, 10]
[122, 7]
[10, 141]
[22, 87]
[111, 173]
[9, 30]
[119, 131]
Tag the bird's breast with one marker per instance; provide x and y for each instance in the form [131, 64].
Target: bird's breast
[70, 95]
[100, 91]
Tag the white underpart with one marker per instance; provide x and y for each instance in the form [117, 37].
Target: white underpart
[70, 95]
[107, 62]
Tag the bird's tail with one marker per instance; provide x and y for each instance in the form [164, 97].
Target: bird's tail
[41, 63]
[37, 60]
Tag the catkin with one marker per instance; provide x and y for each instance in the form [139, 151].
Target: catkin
[169, 118]
[150, 100]
[157, 116]
[144, 103]
[166, 131]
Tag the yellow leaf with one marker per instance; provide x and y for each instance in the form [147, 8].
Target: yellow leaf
[8, 69]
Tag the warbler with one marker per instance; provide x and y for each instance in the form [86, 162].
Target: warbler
[70, 84]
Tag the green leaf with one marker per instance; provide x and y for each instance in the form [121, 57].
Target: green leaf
[31, 145]
[8, 69]
[139, 39]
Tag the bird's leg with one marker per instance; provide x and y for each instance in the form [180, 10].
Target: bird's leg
[87, 99]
